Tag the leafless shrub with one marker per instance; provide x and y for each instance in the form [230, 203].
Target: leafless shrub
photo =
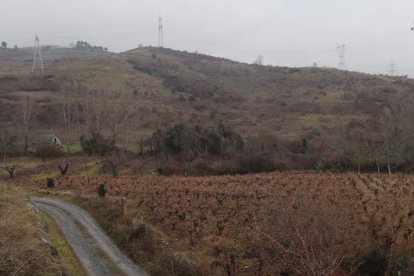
[308, 239]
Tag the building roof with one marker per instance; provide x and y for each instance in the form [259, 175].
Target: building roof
[44, 139]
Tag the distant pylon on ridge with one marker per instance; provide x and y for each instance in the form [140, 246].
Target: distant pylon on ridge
[37, 56]
[393, 69]
[160, 33]
[341, 57]
[259, 60]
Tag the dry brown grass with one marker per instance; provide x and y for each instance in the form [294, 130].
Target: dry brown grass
[24, 249]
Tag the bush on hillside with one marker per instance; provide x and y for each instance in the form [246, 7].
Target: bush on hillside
[183, 139]
[49, 151]
[257, 163]
[384, 262]
[179, 139]
[97, 144]
[249, 163]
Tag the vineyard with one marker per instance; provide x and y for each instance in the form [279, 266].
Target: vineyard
[293, 222]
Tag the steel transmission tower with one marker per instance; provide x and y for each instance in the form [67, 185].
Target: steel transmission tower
[160, 33]
[37, 56]
[393, 69]
[341, 57]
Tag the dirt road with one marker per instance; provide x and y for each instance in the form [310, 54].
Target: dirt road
[93, 247]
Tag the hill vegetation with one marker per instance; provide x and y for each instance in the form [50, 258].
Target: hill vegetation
[299, 115]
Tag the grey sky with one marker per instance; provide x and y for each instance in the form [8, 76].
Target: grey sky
[286, 32]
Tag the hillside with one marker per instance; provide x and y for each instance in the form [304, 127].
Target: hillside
[172, 86]
[21, 59]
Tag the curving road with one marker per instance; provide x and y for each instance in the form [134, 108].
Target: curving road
[94, 249]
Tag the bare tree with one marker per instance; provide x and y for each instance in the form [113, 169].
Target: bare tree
[84, 106]
[119, 110]
[96, 109]
[90, 107]
[308, 239]
[63, 169]
[6, 142]
[376, 153]
[357, 143]
[68, 107]
[92, 103]
[98, 101]
[26, 118]
[77, 108]
[395, 129]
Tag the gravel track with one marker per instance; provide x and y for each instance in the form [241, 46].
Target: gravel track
[87, 246]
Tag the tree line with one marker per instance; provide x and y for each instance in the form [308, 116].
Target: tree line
[385, 142]
[83, 45]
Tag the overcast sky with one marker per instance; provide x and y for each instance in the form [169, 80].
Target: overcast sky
[285, 32]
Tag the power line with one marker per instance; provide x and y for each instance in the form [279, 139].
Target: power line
[341, 56]
[37, 56]
[160, 33]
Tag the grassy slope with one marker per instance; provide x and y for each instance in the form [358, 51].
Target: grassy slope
[25, 247]
[175, 86]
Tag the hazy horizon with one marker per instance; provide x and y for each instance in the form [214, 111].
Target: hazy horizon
[287, 33]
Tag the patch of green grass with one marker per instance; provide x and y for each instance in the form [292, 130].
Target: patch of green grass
[333, 99]
[134, 148]
[44, 176]
[37, 192]
[65, 251]
[24, 162]
[328, 120]
[75, 148]
[90, 169]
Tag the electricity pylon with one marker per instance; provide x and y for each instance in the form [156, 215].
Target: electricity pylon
[160, 33]
[341, 57]
[37, 56]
